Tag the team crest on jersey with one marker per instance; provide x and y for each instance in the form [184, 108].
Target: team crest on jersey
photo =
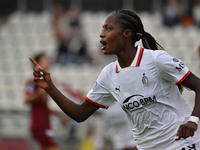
[175, 60]
[145, 80]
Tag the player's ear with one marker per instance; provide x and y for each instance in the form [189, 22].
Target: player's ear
[127, 33]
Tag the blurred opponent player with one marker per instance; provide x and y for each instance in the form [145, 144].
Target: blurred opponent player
[40, 112]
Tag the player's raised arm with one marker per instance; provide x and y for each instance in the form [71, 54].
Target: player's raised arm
[78, 112]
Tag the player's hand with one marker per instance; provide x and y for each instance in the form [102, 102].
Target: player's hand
[41, 77]
[186, 130]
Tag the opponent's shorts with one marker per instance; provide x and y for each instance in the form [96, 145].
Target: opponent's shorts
[45, 138]
[195, 146]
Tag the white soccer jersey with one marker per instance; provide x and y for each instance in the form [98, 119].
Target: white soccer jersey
[147, 92]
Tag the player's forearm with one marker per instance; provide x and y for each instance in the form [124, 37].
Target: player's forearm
[70, 108]
[31, 98]
[196, 108]
[193, 83]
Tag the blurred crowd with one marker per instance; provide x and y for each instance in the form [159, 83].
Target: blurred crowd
[174, 13]
[71, 43]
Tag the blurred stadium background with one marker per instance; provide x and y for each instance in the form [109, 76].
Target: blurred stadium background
[26, 29]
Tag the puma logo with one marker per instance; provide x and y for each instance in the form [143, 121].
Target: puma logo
[117, 89]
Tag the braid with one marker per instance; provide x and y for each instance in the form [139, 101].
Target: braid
[147, 40]
[130, 20]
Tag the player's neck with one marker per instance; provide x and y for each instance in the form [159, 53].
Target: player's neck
[126, 58]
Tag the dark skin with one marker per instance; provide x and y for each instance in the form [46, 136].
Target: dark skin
[188, 129]
[119, 42]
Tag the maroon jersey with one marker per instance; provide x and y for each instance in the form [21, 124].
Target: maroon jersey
[39, 109]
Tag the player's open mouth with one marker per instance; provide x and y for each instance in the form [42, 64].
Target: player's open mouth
[104, 44]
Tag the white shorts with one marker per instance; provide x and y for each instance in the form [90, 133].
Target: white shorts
[195, 146]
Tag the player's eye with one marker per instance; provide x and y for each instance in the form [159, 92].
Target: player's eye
[108, 28]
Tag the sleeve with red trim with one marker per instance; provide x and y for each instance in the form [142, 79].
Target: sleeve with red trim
[100, 94]
[171, 68]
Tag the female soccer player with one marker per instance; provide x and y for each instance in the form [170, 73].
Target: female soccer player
[40, 112]
[144, 81]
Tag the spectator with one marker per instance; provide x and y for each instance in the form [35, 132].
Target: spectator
[187, 20]
[171, 13]
[196, 13]
[88, 143]
[72, 47]
[60, 33]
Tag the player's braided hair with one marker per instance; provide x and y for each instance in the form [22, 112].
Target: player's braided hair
[130, 20]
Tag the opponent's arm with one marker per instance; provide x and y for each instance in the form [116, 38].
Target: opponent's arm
[33, 97]
[188, 129]
[78, 112]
